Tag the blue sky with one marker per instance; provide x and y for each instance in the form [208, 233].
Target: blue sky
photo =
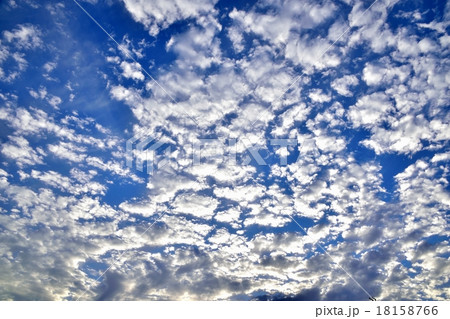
[360, 208]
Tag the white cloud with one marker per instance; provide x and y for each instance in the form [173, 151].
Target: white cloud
[198, 46]
[24, 36]
[344, 84]
[49, 66]
[236, 37]
[370, 110]
[372, 26]
[264, 217]
[312, 53]
[132, 70]
[230, 216]
[55, 101]
[215, 239]
[317, 95]
[240, 194]
[156, 16]
[196, 205]
[68, 151]
[405, 136]
[66, 184]
[19, 149]
[375, 75]
[276, 25]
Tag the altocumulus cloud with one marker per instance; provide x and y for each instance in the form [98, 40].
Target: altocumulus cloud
[363, 92]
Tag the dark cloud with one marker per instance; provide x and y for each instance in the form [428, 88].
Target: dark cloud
[312, 294]
[278, 261]
[111, 287]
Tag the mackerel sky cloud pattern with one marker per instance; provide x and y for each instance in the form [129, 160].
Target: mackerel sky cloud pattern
[303, 150]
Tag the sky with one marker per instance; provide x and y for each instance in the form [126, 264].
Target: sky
[224, 150]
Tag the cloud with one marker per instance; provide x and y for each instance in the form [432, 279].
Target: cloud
[19, 150]
[112, 286]
[65, 184]
[198, 46]
[132, 70]
[220, 230]
[372, 27]
[343, 85]
[196, 205]
[318, 96]
[15, 46]
[24, 36]
[50, 66]
[312, 53]
[156, 16]
[370, 110]
[276, 24]
[376, 75]
[68, 151]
